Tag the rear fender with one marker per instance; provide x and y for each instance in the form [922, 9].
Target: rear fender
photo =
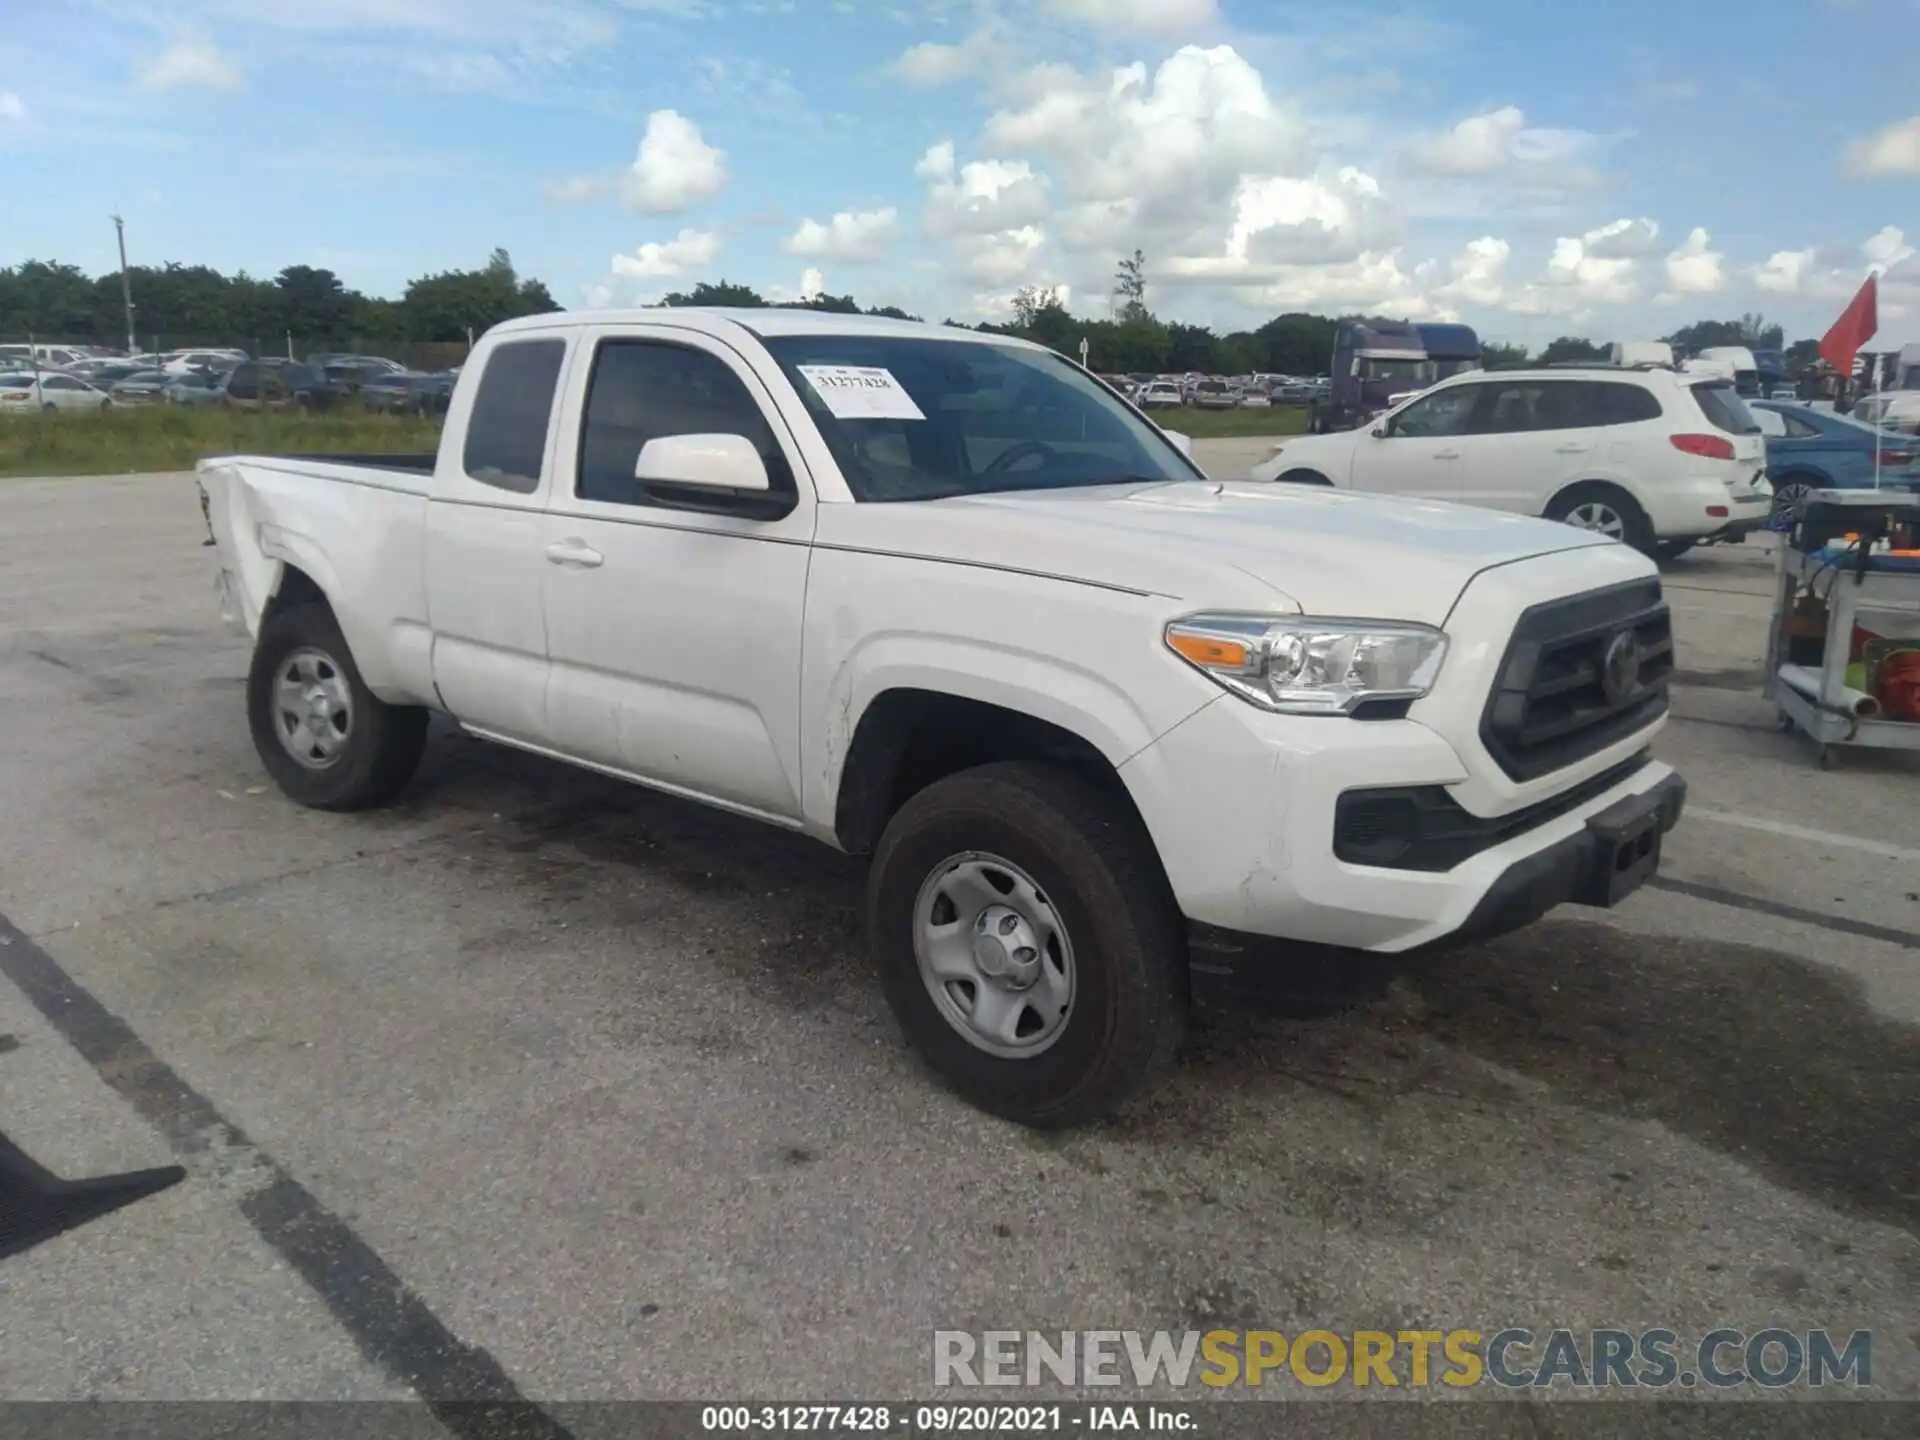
[265, 531]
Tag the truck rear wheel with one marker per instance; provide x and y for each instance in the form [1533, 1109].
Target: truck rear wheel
[328, 741]
[1028, 942]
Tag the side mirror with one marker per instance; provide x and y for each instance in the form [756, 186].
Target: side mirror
[1379, 432]
[703, 462]
[1182, 443]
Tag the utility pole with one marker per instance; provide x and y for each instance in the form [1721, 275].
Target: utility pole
[126, 282]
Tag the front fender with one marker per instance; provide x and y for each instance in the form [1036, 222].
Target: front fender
[1117, 719]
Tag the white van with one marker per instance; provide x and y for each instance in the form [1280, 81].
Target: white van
[1740, 364]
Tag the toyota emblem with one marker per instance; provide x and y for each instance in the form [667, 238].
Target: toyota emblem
[1620, 667]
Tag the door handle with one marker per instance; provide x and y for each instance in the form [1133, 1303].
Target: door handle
[575, 552]
[1446, 454]
[1571, 449]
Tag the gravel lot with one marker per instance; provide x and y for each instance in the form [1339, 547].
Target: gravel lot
[538, 1081]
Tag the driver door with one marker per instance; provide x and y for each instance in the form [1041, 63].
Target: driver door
[673, 632]
[1420, 450]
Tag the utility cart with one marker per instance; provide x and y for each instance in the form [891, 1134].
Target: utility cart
[1843, 655]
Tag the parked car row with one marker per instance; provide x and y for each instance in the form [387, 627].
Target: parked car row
[1214, 392]
[227, 378]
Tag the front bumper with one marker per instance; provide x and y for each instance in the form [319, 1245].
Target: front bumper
[1242, 804]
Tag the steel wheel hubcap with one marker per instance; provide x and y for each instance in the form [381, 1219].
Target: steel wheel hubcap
[312, 708]
[1594, 515]
[1789, 496]
[994, 955]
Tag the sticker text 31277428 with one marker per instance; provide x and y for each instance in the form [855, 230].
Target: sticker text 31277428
[861, 392]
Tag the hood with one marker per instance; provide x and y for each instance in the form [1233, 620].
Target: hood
[1317, 550]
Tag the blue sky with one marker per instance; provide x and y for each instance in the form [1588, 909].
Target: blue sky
[1611, 169]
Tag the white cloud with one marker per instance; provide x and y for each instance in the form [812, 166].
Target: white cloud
[1783, 272]
[1282, 222]
[1376, 284]
[850, 236]
[1890, 152]
[1156, 16]
[1623, 239]
[1693, 269]
[980, 197]
[936, 63]
[675, 167]
[1500, 143]
[1887, 248]
[1588, 278]
[689, 250]
[1477, 275]
[1002, 258]
[1163, 155]
[1824, 277]
[812, 284]
[190, 64]
[577, 188]
[13, 110]
[1475, 146]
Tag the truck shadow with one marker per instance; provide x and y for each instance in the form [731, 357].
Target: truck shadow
[1777, 1062]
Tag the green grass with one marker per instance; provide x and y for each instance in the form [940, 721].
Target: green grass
[129, 441]
[1233, 424]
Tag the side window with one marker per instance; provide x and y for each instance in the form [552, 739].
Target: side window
[643, 390]
[1607, 402]
[1798, 429]
[1523, 406]
[507, 431]
[1771, 425]
[59, 382]
[1436, 415]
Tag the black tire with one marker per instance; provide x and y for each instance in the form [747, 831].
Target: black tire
[382, 743]
[1097, 869]
[1672, 549]
[1303, 477]
[49, 409]
[1636, 529]
[1790, 489]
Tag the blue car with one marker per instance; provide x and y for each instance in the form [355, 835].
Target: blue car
[1810, 449]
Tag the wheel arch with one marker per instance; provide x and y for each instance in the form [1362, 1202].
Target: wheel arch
[908, 737]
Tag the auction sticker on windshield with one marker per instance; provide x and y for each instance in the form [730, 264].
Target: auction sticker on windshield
[861, 392]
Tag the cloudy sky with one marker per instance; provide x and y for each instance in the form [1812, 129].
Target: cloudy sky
[1612, 168]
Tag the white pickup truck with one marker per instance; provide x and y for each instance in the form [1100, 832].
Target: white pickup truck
[1112, 732]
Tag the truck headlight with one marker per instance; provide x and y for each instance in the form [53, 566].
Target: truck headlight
[1302, 665]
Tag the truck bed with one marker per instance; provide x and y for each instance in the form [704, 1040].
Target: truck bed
[417, 464]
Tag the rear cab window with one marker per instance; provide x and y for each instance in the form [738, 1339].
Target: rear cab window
[506, 440]
[1724, 408]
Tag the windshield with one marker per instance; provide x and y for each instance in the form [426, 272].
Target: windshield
[1449, 368]
[925, 419]
[1420, 372]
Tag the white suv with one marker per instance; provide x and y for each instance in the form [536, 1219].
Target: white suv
[1654, 458]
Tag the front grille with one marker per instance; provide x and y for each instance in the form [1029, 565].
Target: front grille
[1554, 703]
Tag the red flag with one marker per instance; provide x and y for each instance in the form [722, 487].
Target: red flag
[1856, 326]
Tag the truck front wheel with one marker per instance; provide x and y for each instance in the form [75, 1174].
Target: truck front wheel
[328, 741]
[1028, 942]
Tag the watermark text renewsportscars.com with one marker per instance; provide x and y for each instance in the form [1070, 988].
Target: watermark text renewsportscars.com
[1511, 1358]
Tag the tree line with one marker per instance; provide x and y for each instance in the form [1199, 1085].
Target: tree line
[196, 304]
[179, 305]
